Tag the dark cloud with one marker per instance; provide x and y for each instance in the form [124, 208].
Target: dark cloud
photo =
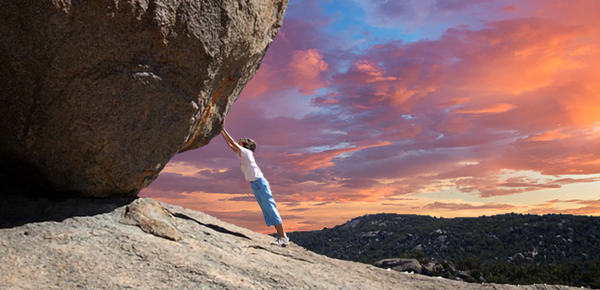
[357, 183]
[299, 209]
[456, 5]
[392, 204]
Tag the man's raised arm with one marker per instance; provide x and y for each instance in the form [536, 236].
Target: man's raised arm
[232, 144]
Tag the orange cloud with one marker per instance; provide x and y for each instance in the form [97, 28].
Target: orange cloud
[517, 56]
[582, 103]
[493, 109]
[547, 136]
[304, 162]
[373, 70]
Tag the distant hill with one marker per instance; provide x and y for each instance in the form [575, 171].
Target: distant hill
[510, 248]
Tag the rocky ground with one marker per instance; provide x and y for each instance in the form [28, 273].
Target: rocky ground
[151, 245]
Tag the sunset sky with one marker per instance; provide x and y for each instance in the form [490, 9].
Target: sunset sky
[448, 108]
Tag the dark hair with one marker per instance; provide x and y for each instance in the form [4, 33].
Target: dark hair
[248, 144]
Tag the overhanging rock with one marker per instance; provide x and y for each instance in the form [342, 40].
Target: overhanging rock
[96, 96]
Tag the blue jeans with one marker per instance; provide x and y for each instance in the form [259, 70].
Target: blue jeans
[263, 195]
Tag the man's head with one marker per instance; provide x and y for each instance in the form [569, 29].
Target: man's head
[248, 144]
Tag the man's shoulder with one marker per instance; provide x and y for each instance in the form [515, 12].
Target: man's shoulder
[245, 152]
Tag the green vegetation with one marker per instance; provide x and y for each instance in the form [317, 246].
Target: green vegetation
[510, 248]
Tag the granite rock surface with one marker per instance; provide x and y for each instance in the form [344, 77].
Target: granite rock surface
[102, 251]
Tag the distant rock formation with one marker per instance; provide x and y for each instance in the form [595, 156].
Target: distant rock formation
[401, 265]
[96, 96]
[508, 248]
[147, 244]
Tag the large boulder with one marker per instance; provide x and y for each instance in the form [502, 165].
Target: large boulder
[96, 96]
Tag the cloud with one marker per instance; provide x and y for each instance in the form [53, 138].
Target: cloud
[546, 136]
[456, 5]
[561, 156]
[467, 206]
[529, 185]
[453, 102]
[355, 183]
[351, 107]
[402, 198]
[304, 162]
[305, 69]
[590, 207]
[392, 204]
[576, 180]
[509, 8]
[391, 8]
[247, 198]
[372, 72]
[493, 109]
[302, 209]
[387, 12]
[487, 187]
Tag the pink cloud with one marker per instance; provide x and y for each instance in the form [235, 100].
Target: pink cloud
[453, 102]
[373, 71]
[305, 69]
[261, 82]
[509, 8]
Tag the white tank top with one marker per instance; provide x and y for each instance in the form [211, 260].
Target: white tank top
[249, 167]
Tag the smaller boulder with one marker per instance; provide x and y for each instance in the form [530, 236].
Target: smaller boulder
[465, 276]
[152, 218]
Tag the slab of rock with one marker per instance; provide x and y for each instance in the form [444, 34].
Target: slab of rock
[400, 264]
[96, 96]
[151, 217]
[100, 252]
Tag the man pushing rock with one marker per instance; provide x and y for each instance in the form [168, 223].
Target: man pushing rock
[245, 151]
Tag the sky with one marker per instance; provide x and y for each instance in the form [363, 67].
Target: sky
[453, 108]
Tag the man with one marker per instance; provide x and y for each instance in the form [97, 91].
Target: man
[245, 151]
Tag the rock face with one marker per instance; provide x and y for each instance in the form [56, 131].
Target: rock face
[103, 252]
[96, 96]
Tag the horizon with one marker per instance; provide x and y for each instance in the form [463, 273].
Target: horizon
[457, 217]
[457, 108]
[441, 217]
